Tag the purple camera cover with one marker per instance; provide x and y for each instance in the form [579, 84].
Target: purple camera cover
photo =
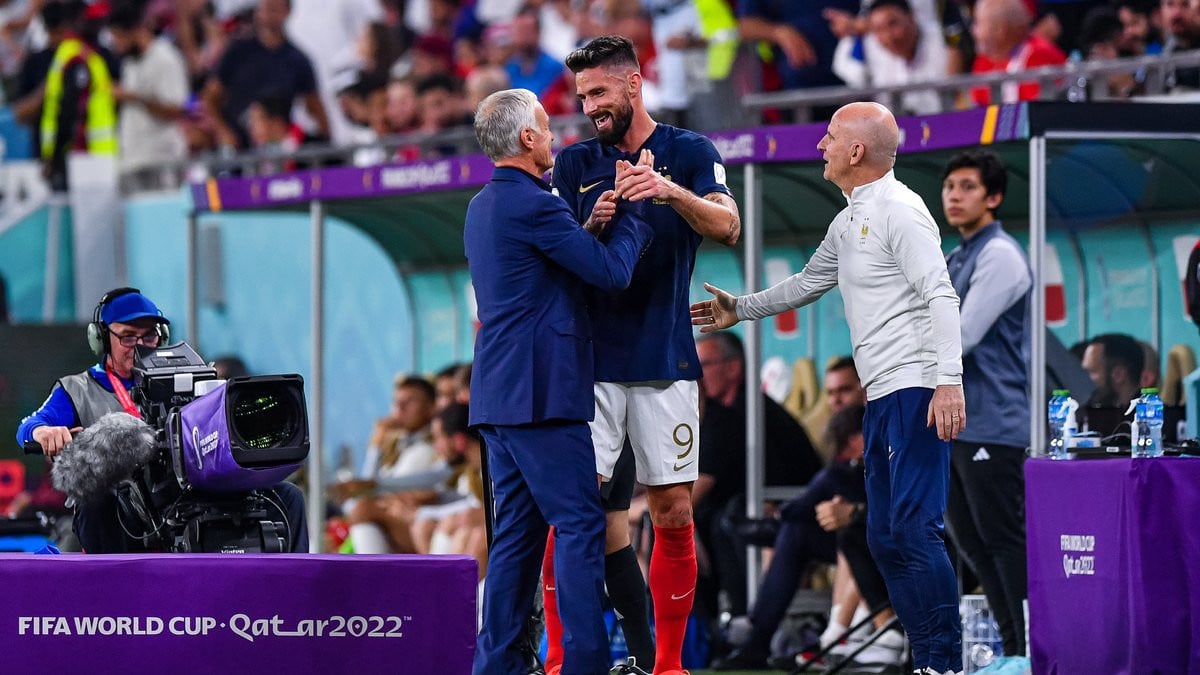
[208, 463]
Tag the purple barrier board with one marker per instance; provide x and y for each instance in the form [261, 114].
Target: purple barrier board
[796, 143]
[279, 614]
[1114, 565]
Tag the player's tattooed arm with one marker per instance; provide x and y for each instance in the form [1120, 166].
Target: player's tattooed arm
[733, 231]
[714, 215]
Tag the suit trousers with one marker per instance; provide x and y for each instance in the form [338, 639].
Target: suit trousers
[543, 474]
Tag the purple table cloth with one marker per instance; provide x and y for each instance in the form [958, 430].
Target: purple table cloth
[1114, 566]
[276, 614]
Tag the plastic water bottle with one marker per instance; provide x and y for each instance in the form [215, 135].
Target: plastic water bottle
[1061, 412]
[1148, 424]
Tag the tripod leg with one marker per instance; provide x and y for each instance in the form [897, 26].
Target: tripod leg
[822, 651]
[892, 622]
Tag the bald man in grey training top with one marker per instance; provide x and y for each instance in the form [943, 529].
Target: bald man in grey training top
[884, 252]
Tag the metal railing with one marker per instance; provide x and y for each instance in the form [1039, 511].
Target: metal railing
[1074, 81]
[396, 147]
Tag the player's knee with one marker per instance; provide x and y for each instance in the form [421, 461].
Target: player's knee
[676, 513]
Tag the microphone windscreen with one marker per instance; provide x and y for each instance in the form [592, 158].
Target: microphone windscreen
[103, 455]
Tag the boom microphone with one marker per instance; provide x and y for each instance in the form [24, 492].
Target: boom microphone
[103, 455]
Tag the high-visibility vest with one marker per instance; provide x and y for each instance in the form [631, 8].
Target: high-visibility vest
[101, 122]
[719, 28]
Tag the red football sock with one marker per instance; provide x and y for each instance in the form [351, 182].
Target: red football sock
[554, 629]
[673, 587]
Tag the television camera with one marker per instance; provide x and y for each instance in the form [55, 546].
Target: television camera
[196, 475]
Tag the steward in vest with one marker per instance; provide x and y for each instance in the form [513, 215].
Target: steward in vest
[79, 112]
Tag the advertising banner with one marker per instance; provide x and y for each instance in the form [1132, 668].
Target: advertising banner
[280, 614]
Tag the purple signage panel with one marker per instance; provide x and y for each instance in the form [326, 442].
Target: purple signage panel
[339, 183]
[1113, 586]
[797, 143]
[279, 614]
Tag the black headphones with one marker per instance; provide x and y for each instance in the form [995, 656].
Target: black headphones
[97, 330]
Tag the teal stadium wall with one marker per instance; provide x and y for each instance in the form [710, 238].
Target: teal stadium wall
[379, 322]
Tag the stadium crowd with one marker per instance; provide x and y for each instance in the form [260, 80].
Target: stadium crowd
[188, 78]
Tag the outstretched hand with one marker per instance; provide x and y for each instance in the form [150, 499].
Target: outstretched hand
[715, 314]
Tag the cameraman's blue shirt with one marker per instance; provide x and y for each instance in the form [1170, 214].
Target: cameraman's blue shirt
[58, 410]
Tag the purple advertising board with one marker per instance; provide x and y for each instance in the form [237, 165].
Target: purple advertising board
[795, 143]
[1113, 552]
[238, 614]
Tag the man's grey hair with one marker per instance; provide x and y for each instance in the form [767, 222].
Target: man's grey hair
[501, 118]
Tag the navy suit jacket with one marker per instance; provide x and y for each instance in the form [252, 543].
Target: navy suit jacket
[529, 261]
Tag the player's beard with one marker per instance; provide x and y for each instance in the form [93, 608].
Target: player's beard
[622, 119]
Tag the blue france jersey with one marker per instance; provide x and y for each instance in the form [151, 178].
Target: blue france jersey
[645, 332]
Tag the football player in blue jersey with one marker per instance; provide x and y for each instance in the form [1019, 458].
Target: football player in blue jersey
[646, 362]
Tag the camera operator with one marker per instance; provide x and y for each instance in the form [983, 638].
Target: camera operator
[123, 319]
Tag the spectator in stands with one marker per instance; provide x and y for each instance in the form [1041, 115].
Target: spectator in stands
[1100, 40]
[1114, 361]
[401, 112]
[263, 65]
[721, 486]
[272, 134]
[1004, 42]
[462, 384]
[986, 507]
[1139, 34]
[201, 38]
[152, 93]
[31, 82]
[834, 499]
[680, 56]
[400, 457]
[842, 388]
[799, 35]
[229, 366]
[445, 387]
[1182, 29]
[847, 520]
[1150, 364]
[322, 30]
[455, 526]
[439, 103]
[16, 36]
[377, 48]
[530, 67]
[496, 45]
[484, 81]
[431, 55]
[896, 50]
[78, 112]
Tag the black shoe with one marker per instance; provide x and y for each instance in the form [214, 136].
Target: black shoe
[759, 531]
[742, 658]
